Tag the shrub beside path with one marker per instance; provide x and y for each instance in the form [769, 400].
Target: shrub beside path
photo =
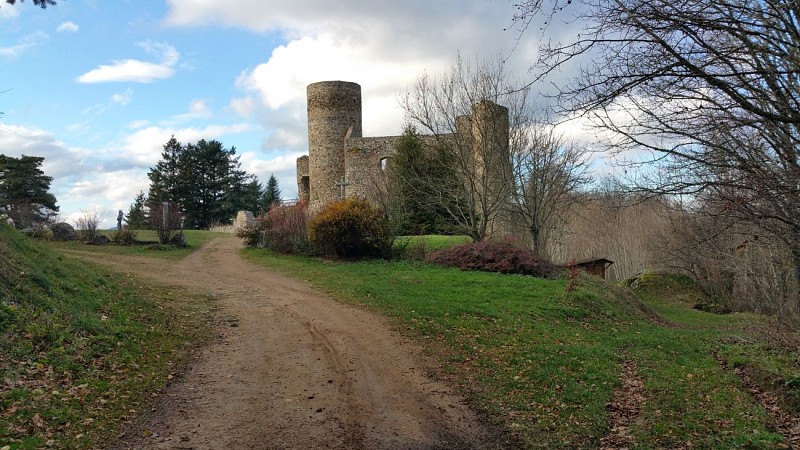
[293, 369]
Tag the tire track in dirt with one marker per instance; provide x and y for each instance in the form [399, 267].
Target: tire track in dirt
[298, 370]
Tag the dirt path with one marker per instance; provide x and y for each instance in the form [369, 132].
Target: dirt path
[297, 370]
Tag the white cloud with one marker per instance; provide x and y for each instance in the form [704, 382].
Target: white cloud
[68, 27]
[114, 189]
[122, 98]
[383, 45]
[244, 107]
[144, 146]
[134, 70]
[282, 166]
[24, 44]
[96, 109]
[80, 127]
[60, 159]
[8, 11]
[136, 124]
[280, 83]
[198, 109]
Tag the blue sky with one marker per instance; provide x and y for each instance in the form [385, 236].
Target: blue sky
[98, 86]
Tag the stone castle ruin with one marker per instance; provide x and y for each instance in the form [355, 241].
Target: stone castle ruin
[341, 163]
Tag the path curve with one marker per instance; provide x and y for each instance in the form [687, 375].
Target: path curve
[299, 370]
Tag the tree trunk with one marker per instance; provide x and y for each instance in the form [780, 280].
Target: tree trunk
[795, 248]
[536, 240]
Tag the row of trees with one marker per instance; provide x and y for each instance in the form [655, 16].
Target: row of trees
[705, 97]
[207, 183]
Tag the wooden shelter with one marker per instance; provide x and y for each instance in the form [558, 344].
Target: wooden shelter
[594, 266]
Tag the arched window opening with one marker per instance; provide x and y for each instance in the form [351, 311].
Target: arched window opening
[384, 164]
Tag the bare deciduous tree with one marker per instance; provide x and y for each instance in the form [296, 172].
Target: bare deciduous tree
[548, 173]
[709, 87]
[167, 220]
[88, 225]
[461, 112]
[611, 223]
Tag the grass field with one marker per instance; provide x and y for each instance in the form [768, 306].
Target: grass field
[81, 349]
[194, 240]
[543, 363]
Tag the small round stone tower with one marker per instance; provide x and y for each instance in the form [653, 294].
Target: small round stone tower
[334, 113]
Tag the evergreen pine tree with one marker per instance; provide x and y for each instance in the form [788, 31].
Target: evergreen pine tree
[416, 170]
[272, 194]
[24, 190]
[136, 218]
[205, 179]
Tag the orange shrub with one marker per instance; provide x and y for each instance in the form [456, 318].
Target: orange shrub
[350, 228]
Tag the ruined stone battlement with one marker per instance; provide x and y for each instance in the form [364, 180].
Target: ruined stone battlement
[341, 163]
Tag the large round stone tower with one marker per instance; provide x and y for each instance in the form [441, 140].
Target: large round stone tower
[334, 113]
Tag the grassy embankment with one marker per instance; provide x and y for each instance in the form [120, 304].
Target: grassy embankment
[543, 363]
[82, 349]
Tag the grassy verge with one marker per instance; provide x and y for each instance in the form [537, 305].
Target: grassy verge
[543, 363]
[82, 349]
[767, 351]
[194, 240]
[420, 246]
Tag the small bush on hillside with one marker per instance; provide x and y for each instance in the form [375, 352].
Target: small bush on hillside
[490, 256]
[88, 225]
[125, 236]
[350, 228]
[39, 231]
[252, 235]
[166, 219]
[286, 229]
[404, 248]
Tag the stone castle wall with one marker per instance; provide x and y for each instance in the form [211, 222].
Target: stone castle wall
[364, 164]
[342, 163]
[303, 181]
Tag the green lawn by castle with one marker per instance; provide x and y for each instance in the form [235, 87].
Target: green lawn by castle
[543, 363]
[540, 362]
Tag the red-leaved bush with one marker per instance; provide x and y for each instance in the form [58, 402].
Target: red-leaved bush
[490, 256]
[285, 229]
